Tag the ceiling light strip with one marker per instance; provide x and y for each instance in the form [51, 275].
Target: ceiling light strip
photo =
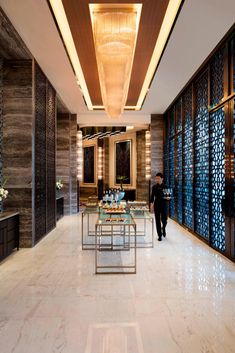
[115, 32]
[61, 18]
[167, 24]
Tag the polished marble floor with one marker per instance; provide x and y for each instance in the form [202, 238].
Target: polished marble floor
[182, 299]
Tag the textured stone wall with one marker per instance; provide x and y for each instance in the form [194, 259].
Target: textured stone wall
[17, 142]
[142, 185]
[157, 133]
[66, 165]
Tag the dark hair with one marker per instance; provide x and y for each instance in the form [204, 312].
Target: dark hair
[160, 175]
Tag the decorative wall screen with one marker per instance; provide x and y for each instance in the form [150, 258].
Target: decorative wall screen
[178, 179]
[40, 154]
[172, 175]
[166, 152]
[200, 165]
[44, 164]
[217, 77]
[217, 178]
[201, 159]
[187, 164]
[50, 156]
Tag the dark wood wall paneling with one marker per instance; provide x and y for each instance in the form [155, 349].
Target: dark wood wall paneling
[27, 101]
[207, 153]
[17, 142]
[142, 185]
[44, 155]
[66, 160]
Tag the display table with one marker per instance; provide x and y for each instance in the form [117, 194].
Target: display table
[88, 234]
[138, 211]
[9, 233]
[114, 251]
[144, 237]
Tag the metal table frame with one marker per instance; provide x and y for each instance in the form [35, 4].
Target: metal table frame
[87, 212]
[127, 245]
[145, 216]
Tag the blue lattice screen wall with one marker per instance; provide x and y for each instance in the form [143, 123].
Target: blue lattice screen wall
[201, 157]
[217, 78]
[187, 164]
[217, 178]
[195, 148]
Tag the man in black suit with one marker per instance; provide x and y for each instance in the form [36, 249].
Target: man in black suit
[159, 206]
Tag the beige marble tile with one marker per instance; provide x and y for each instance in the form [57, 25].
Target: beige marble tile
[181, 300]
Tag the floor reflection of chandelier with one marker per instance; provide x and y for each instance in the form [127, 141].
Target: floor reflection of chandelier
[115, 33]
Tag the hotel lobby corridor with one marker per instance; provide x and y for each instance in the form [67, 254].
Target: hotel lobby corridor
[181, 300]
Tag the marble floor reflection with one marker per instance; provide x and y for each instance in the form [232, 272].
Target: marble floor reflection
[182, 299]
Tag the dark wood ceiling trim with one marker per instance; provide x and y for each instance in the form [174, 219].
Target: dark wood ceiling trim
[78, 15]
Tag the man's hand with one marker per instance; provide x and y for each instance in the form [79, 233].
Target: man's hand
[151, 207]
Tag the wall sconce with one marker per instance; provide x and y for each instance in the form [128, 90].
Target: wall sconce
[100, 163]
[147, 155]
[79, 156]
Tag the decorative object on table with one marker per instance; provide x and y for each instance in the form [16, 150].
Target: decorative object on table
[121, 179]
[59, 185]
[3, 194]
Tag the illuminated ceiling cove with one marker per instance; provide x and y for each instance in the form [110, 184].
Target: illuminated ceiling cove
[74, 21]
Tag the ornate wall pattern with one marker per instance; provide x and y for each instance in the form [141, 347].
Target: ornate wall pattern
[217, 77]
[217, 178]
[201, 161]
[166, 152]
[178, 109]
[40, 166]
[178, 179]
[50, 157]
[44, 158]
[187, 164]
[172, 176]
[208, 151]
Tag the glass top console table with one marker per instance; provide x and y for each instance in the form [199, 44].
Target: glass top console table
[115, 253]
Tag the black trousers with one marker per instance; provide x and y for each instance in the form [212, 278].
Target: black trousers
[161, 220]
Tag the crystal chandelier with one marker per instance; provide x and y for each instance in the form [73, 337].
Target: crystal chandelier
[115, 32]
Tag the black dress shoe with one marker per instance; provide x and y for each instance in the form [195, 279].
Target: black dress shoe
[159, 239]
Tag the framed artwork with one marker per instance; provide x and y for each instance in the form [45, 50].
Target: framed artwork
[123, 161]
[89, 165]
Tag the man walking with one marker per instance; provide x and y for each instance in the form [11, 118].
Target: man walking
[159, 205]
